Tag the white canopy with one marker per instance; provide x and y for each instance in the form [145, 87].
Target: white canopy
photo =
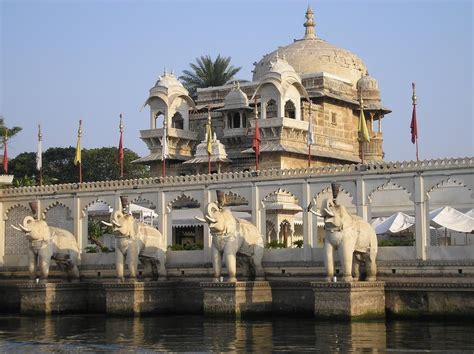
[470, 213]
[394, 223]
[452, 219]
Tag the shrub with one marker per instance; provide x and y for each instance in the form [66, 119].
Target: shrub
[298, 244]
[397, 242]
[275, 244]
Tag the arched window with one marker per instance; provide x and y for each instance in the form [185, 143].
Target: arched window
[159, 119]
[290, 110]
[271, 109]
[177, 121]
[236, 120]
[229, 121]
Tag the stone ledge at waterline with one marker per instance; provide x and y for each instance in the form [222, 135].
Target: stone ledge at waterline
[417, 297]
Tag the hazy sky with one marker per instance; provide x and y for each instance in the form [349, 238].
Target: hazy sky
[62, 61]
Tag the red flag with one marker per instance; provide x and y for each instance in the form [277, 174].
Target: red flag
[256, 139]
[120, 148]
[5, 153]
[413, 126]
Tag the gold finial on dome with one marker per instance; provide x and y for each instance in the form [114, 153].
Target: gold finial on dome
[309, 24]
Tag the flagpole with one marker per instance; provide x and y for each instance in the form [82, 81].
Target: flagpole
[257, 133]
[310, 131]
[209, 138]
[78, 158]
[415, 133]
[40, 163]
[163, 153]
[5, 152]
[121, 126]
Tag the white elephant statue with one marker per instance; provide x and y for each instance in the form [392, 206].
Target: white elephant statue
[136, 241]
[46, 243]
[232, 236]
[353, 237]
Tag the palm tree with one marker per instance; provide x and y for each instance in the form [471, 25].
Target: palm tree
[11, 131]
[206, 73]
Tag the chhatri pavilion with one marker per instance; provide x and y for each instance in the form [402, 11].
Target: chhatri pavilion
[307, 79]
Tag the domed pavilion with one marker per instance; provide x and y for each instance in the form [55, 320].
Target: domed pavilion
[307, 79]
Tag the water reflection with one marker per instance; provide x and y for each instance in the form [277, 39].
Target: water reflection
[197, 333]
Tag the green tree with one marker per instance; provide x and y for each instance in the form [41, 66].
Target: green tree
[58, 165]
[206, 73]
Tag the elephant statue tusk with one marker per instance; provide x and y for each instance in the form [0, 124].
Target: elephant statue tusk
[200, 219]
[209, 219]
[16, 227]
[317, 213]
[107, 223]
[24, 228]
[116, 223]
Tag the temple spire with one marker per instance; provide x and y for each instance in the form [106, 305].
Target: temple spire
[309, 24]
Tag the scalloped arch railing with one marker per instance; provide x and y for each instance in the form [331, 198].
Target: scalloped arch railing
[373, 168]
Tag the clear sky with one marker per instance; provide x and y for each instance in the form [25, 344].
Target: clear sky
[62, 61]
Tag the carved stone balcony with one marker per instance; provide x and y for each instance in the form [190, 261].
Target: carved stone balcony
[180, 142]
[373, 150]
[283, 129]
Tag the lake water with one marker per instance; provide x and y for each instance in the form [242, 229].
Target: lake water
[98, 333]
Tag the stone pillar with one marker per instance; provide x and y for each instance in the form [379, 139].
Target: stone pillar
[206, 236]
[152, 120]
[307, 223]
[240, 115]
[80, 225]
[256, 209]
[361, 199]
[421, 218]
[163, 218]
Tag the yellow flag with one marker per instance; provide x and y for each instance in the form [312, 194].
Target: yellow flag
[77, 158]
[209, 135]
[363, 131]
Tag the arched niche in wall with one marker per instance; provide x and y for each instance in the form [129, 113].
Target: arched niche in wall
[16, 242]
[290, 109]
[177, 121]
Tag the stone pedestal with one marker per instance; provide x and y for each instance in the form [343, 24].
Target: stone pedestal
[53, 298]
[349, 300]
[139, 298]
[235, 299]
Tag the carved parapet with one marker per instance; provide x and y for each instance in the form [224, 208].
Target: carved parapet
[374, 168]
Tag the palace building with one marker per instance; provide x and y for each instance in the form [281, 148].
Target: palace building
[307, 79]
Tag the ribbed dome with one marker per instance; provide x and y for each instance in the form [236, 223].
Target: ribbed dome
[236, 98]
[168, 80]
[312, 54]
[368, 88]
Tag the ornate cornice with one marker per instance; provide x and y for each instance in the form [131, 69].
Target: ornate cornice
[348, 285]
[427, 285]
[237, 285]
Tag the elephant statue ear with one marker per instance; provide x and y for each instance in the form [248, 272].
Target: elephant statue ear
[135, 227]
[212, 208]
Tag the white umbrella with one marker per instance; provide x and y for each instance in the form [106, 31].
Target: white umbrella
[452, 219]
[394, 223]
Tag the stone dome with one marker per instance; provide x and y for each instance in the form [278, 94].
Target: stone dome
[236, 98]
[311, 54]
[168, 80]
[368, 88]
